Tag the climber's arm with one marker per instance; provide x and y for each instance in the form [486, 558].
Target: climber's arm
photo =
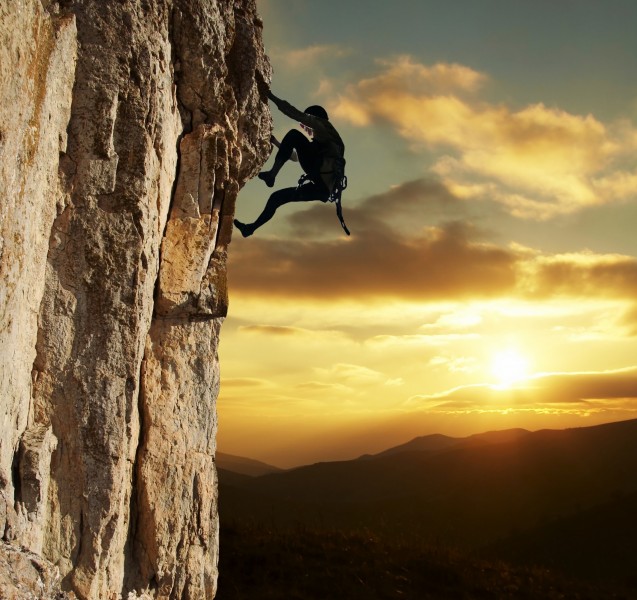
[286, 108]
[294, 113]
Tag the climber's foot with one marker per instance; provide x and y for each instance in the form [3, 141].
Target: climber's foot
[245, 229]
[268, 177]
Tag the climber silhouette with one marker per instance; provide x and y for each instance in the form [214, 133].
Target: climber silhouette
[321, 159]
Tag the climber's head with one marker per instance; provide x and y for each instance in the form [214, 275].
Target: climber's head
[317, 111]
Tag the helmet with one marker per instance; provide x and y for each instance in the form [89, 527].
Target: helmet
[316, 111]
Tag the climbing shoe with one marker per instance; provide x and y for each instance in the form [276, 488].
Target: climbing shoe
[245, 229]
[268, 177]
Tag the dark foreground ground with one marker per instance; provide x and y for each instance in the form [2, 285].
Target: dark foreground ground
[261, 563]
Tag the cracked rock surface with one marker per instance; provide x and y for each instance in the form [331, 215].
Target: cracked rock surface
[126, 132]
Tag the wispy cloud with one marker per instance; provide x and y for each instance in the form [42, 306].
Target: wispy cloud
[415, 341]
[352, 374]
[581, 392]
[301, 333]
[538, 161]
[323, 387]
[308, 57]
[245, 382]
[629, 320]
[276, 330]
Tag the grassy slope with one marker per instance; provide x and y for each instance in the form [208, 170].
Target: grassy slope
[564, 499]
[597, 544]
[260, 563]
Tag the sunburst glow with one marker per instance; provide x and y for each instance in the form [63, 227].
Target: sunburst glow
[508, 366]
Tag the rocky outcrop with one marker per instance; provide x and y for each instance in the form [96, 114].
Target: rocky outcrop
[24, 574]
[126, 131]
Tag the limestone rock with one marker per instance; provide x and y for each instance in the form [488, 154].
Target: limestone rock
[126, 131]
[37, 62]
[27, 576]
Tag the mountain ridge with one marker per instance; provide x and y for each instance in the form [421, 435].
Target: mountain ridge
[439, 442]
[467, 496]
[243, 465]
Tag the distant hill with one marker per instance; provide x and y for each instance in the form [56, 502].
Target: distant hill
[244, 466]
[426, 443]
[472, 493]
[438, 442]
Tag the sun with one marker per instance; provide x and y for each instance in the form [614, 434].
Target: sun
[508, 366]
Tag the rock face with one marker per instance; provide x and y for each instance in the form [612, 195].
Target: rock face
[127, 129]
[24, 574]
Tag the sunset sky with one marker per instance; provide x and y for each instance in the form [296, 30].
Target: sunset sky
[491, 277]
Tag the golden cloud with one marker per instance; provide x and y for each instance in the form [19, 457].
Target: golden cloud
[414, 341]
[452, 261]
[319, 386]
[303, 58]
[352, 374]
[403, 71]
[245, 382]
[540, 161]
[591, 392]
[442, 262]
[629, 319]
[303, 334]
[584, 274]
[276, 330]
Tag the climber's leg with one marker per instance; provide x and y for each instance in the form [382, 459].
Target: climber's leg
[293, 140]
[277, 199]
[305, 193]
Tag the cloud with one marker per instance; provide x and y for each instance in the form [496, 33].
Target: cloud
[555, 392]
[621, 185]
[415, 341]
[462, 364]
[462, 319]
[629, 320]
[537, 161]
[301, 334]
[584, 274]
[272, 330]
[442, 262]
[401, 76]
[379, 260]
[319, 386]
[245, 382]
[386, 259]
[407, 206]
[352, 374]
[306, 58]
[395, 382]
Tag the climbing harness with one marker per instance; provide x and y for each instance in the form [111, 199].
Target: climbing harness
[335, 196]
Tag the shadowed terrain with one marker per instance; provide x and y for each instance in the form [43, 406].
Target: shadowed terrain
[563, 499]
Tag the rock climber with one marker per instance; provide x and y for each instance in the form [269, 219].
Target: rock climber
[321, 158]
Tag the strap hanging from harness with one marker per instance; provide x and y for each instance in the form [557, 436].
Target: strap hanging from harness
[335, 196]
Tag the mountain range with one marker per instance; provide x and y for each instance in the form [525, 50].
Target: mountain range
[243, 466]
[514, 494]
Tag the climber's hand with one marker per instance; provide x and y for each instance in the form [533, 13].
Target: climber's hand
[262, 86]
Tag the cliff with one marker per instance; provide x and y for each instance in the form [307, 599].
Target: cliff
[127, 129]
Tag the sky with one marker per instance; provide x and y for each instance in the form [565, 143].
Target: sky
[490, 280]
